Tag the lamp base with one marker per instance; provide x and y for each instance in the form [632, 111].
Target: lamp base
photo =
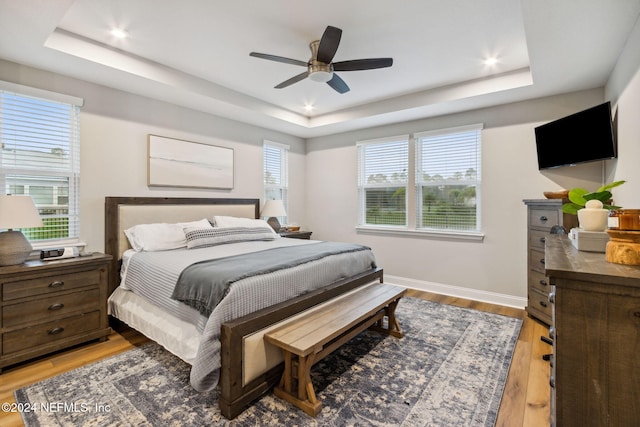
[274, 223]
[14, 248]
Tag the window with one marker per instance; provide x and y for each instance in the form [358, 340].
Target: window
[382, 181]
[39, 157]
[428, 182]
[275, 169]
[448, 179]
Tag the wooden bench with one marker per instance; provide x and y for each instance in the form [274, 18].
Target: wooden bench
[309, 338]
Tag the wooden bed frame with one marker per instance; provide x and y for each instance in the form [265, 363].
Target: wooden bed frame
[235, 395]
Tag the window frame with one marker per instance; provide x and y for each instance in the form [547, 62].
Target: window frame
[70, 173]
[412, 228]
[283, 181]
[364, 184]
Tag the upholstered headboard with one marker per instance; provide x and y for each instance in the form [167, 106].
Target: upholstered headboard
[122, 213]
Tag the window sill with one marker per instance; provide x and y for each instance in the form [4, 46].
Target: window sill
[474, 236]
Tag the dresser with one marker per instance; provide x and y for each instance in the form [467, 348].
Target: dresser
[47, 306]
[542, 215]
[595, 378]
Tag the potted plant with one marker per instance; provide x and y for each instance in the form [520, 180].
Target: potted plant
[592, 208]
[578, 198]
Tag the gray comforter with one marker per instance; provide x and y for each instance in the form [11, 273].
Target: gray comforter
[203, 284]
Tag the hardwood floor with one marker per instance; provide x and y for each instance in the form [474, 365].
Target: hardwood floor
[525, 400]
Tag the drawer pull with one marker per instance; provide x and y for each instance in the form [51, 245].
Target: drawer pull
[54, 307]
[541, 260]
[543, 282]
[55, 331]
[543, 239]
[552, 297]
[544, 218]
[56, 284]
[544, 304]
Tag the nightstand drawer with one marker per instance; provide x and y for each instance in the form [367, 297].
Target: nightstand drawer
[50, 283]
[47, 308]
[48, 332]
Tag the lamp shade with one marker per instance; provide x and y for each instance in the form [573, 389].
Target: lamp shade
[274, 208]
[18, 212]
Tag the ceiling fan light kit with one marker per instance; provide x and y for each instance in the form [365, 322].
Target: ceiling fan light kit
[320, 68]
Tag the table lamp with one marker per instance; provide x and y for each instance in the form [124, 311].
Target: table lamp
[273, 209]
[16, 212]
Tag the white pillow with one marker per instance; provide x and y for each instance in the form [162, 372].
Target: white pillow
[161, 236]
[232, 221]
[213, 236]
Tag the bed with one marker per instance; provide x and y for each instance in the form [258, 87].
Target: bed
[225, 347]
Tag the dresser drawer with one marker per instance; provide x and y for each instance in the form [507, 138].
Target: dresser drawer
[539, 302]
[544, 218]
[536, 260]
[539, 282]
[537, 238]
[50, 283]
[46, 333]
[56, 305]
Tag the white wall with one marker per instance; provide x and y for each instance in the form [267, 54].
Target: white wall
[509, 174]
[623, 88]
[114, 128]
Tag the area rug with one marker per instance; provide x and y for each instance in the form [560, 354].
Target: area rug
[448, 370]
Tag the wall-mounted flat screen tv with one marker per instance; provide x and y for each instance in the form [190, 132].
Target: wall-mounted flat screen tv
[581, 137]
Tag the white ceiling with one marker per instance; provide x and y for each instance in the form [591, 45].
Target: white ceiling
[195, 53]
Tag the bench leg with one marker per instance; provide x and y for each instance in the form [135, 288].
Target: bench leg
[393, 326]
[305, 398]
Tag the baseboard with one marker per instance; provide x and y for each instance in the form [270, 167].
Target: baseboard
[458, 291]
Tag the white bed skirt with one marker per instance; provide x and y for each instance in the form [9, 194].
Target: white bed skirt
[177, 336]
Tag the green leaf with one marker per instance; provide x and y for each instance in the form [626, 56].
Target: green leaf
[603, 196]
[576, 196]
[571, 208]
[611, 185]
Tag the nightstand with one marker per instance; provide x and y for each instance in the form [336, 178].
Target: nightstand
[47, 306]
[296, 234]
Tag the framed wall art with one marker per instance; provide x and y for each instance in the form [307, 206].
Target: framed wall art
[177, 163]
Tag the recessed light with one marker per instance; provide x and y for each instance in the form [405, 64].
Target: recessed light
[491, 61]
[308, 108]
[119, 33]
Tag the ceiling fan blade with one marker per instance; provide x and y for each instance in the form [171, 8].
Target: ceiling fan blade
[278, 59]
[362, 64]
[338, 84]
[329, 44]
[292, 80]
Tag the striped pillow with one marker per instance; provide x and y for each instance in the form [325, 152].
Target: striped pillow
[202, 237]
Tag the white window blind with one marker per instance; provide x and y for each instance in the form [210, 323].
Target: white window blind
[448, 179]
[382, 181]
[39, 157]
[275, 172]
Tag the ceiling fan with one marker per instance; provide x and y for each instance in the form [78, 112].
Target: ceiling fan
[320, 68]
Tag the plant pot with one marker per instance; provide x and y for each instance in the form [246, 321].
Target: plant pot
[593, 219]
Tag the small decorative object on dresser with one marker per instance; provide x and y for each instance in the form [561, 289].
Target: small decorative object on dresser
[52, 305]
